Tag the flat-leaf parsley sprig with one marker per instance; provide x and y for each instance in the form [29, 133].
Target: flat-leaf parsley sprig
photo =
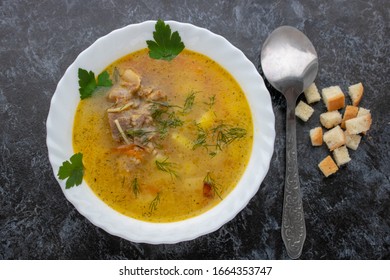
[72, 170]
[166, 45]
[88, 83]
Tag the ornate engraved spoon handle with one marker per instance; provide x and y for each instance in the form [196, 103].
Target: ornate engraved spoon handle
[293, 220]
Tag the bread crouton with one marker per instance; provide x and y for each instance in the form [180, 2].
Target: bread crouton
[330, 119]
[316, 136]
[334, 138]
[341, 155]
[328, 166]
[359, 124]
[333, 98]
[303, 111]
[311, 94]
[352, 140]
[349, 113]
[356, 93]
[363, 112]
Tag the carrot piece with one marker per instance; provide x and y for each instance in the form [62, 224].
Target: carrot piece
[131, 150]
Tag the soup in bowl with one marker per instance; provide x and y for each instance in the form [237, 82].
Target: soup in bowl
[171, 149]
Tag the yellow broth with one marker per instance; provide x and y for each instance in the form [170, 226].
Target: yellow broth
[149, 193]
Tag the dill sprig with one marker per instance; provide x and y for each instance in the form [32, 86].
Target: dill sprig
[217, 137]
[225, 135]
[208, 180]
[167, 166]
[165, 117]
[189, 102]
[137, 132]
[157, 112]
[155, 202]
[211, 101]
[171, 121]
[201, 140]
[135, 186]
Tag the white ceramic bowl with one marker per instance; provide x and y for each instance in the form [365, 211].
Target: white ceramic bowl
[116, 45]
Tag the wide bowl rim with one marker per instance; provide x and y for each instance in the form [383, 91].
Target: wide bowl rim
[200, 40]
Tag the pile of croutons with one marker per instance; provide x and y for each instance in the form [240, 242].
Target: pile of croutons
[344, 124]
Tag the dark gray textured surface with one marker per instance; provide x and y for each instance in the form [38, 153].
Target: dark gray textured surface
[347, 215]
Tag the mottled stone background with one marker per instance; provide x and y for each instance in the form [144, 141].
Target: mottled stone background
[347, 215]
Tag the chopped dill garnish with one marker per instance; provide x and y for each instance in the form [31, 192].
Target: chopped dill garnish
[225, 135]
[137, 132]
[189, 102]
[211, 101]
[167, 166]
[217, 137]
[208, 181]
[135, 186]
[171, 121]
[213, 154]
[157, 112]
[201, 140]
[164, 124]
[155, 202]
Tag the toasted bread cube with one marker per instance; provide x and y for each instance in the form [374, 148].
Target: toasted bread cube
[356, 93]
[333, 98]
[349, 113]
[330, 119]
[311, 94]
[359, 124]
[334, 138]
[303, 111]
[341, 155]
[328, 166]
[363, 112]
[316, 136]
[352, 140]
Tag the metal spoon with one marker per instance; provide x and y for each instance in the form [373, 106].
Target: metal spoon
[289, 62]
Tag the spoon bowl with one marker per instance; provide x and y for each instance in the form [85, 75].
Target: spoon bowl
[290, 63]
[289, 59]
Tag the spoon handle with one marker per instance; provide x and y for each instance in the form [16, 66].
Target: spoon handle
[293, 220]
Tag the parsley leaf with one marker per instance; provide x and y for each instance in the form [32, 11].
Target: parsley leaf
[87, 82]
[167, 45]
[73, 170]
[104, 80]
